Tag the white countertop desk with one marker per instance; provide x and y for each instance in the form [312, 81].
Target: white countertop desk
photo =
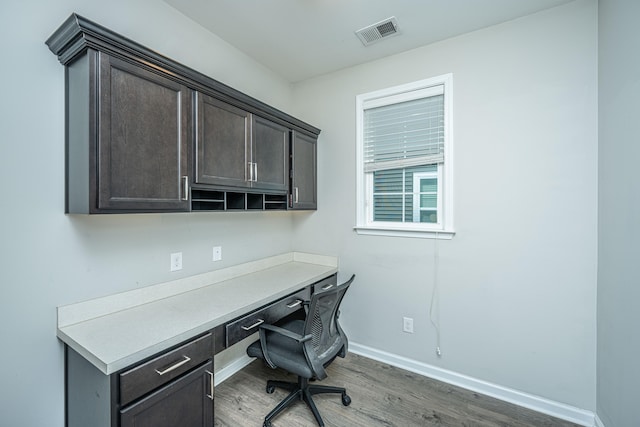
[119, 330]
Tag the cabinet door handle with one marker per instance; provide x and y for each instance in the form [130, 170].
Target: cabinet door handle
[174, 366]
[295, 192]
[294, 304]
[185, 188]
[258, 323]
[250, 166]
[255, 176]
[210, 396]
[329, 286]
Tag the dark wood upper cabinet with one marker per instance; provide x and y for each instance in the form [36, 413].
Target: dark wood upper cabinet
[235, 148]
[304, 191]
[143, 137]
[145, 132]
[222, 143]
[270, 155]
[128, 130]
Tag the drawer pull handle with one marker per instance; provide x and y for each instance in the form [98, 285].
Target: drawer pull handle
[294, 304]
[210, 396]
[174, 366]
[258, 323]
[329, 286]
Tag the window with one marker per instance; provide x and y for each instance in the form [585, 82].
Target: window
[404, 150]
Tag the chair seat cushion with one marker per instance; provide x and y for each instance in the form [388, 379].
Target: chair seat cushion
[284, 352]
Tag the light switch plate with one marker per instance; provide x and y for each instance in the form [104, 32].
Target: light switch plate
[407, 325]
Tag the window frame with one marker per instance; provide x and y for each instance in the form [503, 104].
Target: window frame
[443, 228]
[417, 205]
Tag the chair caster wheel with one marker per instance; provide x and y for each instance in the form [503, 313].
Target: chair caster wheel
[270, 389]
[346, 400]
[266, 424]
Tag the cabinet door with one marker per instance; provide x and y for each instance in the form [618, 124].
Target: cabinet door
[222, 143]
[270, 155]
[303, 172]
[143, 139]
[185, 402]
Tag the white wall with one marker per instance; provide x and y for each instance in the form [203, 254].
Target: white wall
[619, 214]
[49, 259]
[517, 284]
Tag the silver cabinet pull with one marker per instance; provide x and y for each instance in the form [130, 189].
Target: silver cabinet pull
[253, 172]
[295, 192]
[329, 286]
[258, 323]
[294, 304]
[185, 188]
[210, 396]
[174, 366]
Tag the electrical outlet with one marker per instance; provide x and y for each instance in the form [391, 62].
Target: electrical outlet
[176, 261]
[217, 253]
[407, 324]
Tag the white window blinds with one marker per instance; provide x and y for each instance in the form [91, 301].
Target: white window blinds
[404, 134]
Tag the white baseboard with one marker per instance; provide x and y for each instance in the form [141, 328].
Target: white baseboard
[536, 403]
[232, 368]
[599, 422]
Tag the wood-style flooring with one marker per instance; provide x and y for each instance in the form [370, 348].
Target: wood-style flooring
[382, 395]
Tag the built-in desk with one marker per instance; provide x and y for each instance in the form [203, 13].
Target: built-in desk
[127, 354]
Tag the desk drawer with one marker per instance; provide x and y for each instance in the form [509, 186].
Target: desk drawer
[324, 284]
[249, 324]
[146, 377]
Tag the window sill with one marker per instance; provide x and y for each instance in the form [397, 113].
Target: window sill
[403, 232]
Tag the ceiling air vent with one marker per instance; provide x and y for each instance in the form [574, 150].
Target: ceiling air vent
[378, 31]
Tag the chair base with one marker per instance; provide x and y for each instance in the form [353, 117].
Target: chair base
[302, 391]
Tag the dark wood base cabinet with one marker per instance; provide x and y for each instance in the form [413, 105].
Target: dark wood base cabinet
[174, 388]
[185, 402]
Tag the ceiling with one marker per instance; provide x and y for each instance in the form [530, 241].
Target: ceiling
[301, 39]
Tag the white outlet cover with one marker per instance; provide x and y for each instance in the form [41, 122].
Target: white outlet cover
[176, 261]
[217, 253]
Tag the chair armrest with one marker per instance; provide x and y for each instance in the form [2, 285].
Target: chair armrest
[287, 333]
[278, 330]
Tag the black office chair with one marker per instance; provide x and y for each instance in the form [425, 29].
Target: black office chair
[305, 348]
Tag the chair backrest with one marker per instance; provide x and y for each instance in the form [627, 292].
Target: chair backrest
[322, 323]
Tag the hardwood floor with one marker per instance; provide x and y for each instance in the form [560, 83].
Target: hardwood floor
[382, 395]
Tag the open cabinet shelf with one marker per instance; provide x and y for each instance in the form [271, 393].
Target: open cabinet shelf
[213, 200]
